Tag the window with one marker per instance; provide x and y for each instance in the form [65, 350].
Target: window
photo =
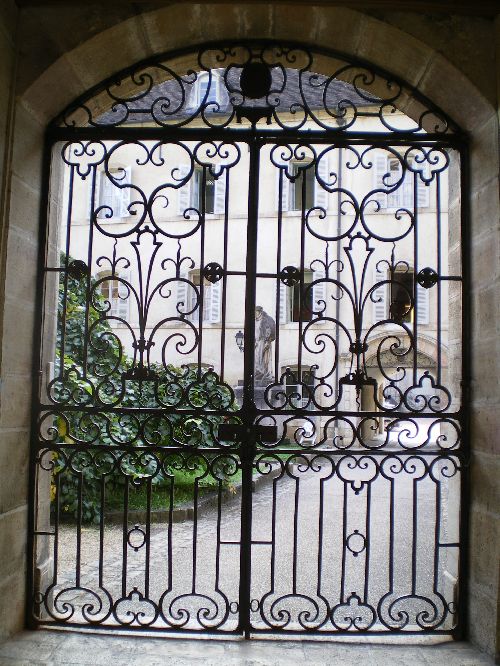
[191, 298]
[197, 191]
[292, 189]
[111, 193]
[401, 288]
[392, 298]
[206, 89]
[191, 193]
[116, 293]
[313, 299]
[402, 197]
[304, 179]
[299, 387]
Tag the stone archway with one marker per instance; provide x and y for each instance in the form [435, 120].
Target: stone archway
[84, 65]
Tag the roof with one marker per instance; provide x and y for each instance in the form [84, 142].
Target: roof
[175, 100]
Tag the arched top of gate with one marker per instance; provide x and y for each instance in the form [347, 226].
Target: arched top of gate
[278, 85]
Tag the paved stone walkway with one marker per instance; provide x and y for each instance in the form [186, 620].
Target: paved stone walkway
[52, 647]
[307, 603]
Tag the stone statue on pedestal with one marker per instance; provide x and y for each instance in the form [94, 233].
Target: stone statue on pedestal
[265, 334]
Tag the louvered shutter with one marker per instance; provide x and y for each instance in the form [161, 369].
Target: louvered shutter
[214, 295]
[395, 198]
[379, 296]
[124, 193]
[379, 173]
[320, 194]
[422, 305]
[107, 193]
[319, 295]
[423, 189]
[406, 188]
[121, 304]
[182, 304]
[184, 192]
[285, 194]
[220, 194]
[98, 175]
[284, 303]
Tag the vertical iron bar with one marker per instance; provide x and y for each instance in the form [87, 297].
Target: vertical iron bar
[344, 545]
[101, 531]
[278, 284]
[367, 539]
[415, 283]
[125, 536]
[460, 632]
[224, 276]
[148, 537]
[247, 446]
[439, 269]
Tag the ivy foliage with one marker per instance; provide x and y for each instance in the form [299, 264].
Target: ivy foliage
[93, 366]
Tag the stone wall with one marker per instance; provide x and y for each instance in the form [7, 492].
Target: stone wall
[63, 50]
[15, 379]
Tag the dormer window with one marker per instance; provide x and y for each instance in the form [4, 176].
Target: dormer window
[207, 89]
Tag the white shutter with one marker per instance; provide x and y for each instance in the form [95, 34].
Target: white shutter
[214, 294]
[422, 307]
[407, 189]
[124, 193]
[106, 192]
[379, 296]
[395, 199]
[381, 168]
[98, 175]
[220, 194]
[423, 189]
[319, 295]
[122, 303]
[182, 304]
[320, 194]
[285, 194]
[284, 303]
[184, 192]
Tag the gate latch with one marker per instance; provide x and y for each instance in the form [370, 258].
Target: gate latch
[237, 432]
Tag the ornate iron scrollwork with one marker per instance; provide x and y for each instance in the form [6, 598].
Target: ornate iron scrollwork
[427, 278]
[153, 431]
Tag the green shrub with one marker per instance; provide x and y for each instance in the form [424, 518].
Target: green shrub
[98, 374]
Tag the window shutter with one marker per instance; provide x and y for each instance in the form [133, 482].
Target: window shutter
[124, 193]
[220, 194]
[98, 175]
[381, 168]
[214, 294]
[320, 194]
[395, 199]
[379, 296]
[319, 295]
[182, 304]
[106, 192]
[285, 194]
[184, 192]
[423, 189]
[422, 306]
[284, 303]
[407, 189]
[122, 303]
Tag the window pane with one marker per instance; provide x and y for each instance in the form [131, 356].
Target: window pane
[401, 293]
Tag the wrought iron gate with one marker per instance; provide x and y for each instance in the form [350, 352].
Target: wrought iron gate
[249, 417]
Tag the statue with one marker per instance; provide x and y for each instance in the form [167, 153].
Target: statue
[265, 333]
